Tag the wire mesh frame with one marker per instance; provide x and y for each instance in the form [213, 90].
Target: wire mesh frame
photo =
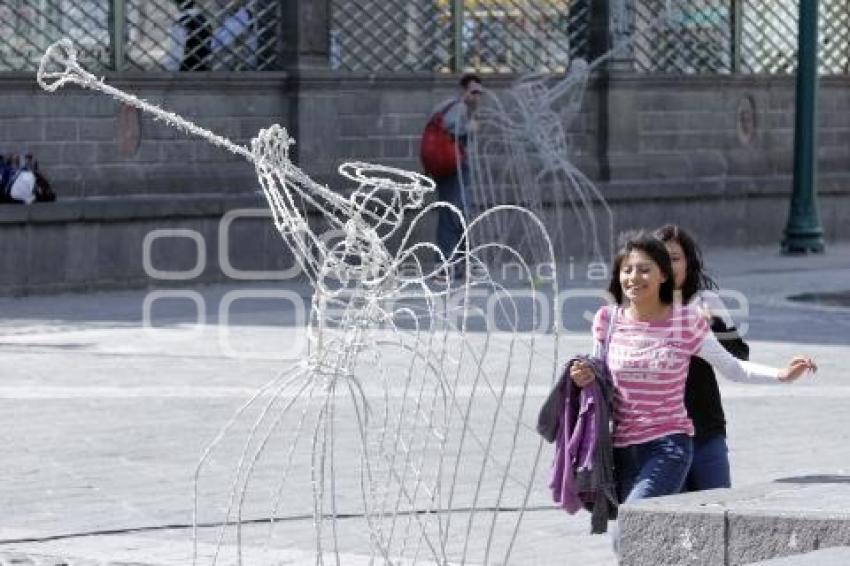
[174, 35]
[489, 36]
[734, 36]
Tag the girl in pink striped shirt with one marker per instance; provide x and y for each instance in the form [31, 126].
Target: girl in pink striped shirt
[648, 354]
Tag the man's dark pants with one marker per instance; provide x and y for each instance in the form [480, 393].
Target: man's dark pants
[452, 189]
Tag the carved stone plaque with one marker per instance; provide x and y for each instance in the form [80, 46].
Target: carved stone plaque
[128, 130]
[745, 120]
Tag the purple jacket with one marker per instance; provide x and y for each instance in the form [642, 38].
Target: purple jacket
[583, 469]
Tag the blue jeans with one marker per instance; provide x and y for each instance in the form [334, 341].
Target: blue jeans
[654, 468]
[710, 466]
[651, 469]
[450, 229]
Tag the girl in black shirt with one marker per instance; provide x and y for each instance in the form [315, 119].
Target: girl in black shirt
[710, 467]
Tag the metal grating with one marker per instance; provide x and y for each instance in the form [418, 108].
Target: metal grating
[178, 35]
[228, 35]
[684, 37]
[28, 27]
[725, 36]
[400, 36]
[490, 36]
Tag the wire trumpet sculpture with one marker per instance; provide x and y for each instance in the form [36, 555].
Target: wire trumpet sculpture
[407, 418]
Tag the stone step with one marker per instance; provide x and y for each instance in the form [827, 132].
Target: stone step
[740, 525]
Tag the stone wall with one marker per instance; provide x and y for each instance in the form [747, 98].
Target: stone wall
[90, 145]
[710, 153]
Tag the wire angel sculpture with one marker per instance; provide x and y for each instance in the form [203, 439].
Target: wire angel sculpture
[522, 154]
[407, 423]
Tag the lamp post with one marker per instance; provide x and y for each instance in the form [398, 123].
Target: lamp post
[803, 233]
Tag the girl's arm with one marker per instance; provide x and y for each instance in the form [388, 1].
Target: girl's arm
[732, 368]
[722, 324]
[580, 372]
[749, 372]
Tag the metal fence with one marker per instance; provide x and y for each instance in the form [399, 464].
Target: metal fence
[449, 35]
[490, 36]
[174, 35]
[734, 36]
[666, 36]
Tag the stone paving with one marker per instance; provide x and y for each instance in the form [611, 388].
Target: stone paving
[102, 421]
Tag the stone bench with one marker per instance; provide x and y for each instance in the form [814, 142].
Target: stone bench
[738, 526]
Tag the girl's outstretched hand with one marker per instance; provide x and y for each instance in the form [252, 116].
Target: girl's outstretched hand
[796, 368]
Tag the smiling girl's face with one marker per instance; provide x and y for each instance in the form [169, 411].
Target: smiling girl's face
[641, 278]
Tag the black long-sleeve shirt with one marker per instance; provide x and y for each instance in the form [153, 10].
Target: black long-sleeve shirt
[702, 395]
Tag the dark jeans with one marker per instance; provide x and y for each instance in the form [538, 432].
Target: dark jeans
[654, 468]
[651, 469]
[710, 466]
[450, 229]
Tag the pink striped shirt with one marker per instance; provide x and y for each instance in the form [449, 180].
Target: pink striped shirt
[649, 363]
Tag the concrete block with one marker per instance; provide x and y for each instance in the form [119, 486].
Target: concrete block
[47, 250]
[359, 148]
[111, 250]
[148, 152]
[157, 130]
[749, 161]
[61, 130]
[47, 154]
[763, 534]
[623, 131]
[837, 556]
[262, 104]
[178, 151]
[626, 165]
[654, 121]
[408, 101]
[760, 522]
[21, 130]
[667, 166]
[776, 119]
[79, 153]
[14, 257]
[97, 129]
[660, 142]
[358, 103]
[358, 126]
[245, 243]
[397, 147]
[81, 261]
[680, 538]
[709, 121]
[249, 127]
[16, 105]
[707, 164]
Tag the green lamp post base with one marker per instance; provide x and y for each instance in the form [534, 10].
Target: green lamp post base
[803, 241]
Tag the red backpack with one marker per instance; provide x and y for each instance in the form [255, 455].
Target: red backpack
[438, 149]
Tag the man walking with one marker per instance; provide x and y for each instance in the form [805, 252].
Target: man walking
[459, 122]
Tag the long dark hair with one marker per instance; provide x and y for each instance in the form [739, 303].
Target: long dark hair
[657, 251]
[695, 277]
